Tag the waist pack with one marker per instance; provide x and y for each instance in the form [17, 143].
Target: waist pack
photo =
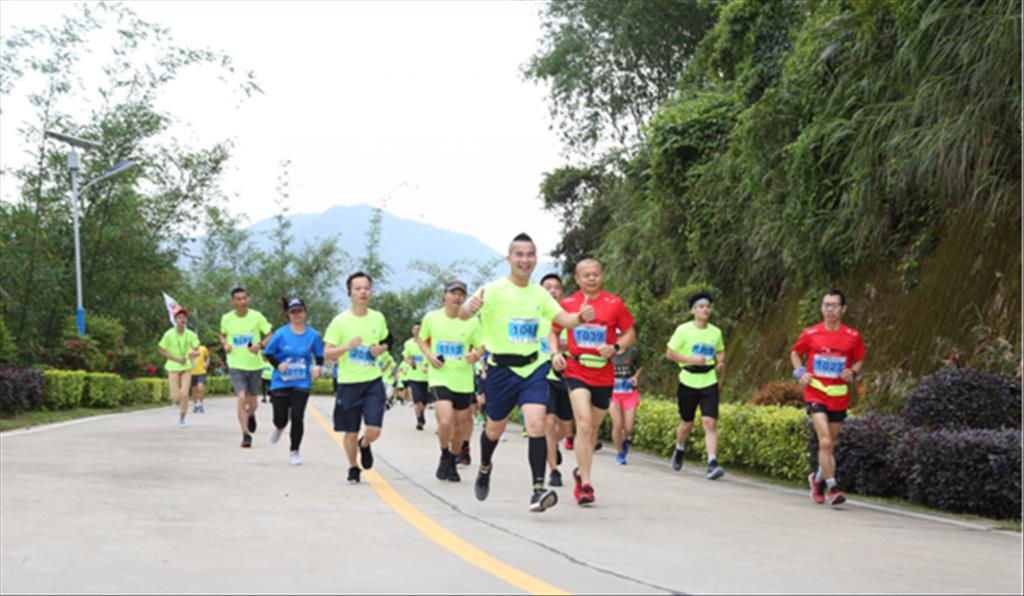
[513, 360]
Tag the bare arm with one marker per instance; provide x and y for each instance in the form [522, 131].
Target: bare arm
[557, 359]
[167, 355]
[428, 353]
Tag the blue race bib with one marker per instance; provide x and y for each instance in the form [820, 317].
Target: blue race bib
[296, 370]
[451, 349]
[241, 340]
[623, 386]
[361, 356]
[590, 336]
[523, 331]
[829, 367]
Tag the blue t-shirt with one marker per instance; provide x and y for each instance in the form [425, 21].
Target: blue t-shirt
[299, 352]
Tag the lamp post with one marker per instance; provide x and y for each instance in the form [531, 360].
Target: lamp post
[74, 164]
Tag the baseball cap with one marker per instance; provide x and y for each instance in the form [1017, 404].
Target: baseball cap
[296, 304]
[455, 284]
[181, 310]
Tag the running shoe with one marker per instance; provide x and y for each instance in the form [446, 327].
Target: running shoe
[246, 441]
[264, 400]
[598, 446]
[569, 443]
[252, 423]
[578, 488]
[195, 409]
[453, 473]
[835, 497]
[482, 487]
[419, 425]
[715, 472]
[353, 475]
[202, 408]
[543, 499]
[182, 423]
[275, 435]
[442, 467]
[625, 448]
[294, 459]
[620, 458]
[463, 457]
[365, 455]
[677, 460]
[817, 489]
[555, 479]
[586, 495]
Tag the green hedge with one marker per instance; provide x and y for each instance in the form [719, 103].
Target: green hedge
[156, 389]
[102, 390]
[63, 389]
[322, 387]
[136, 392]
[768, 439]
[222, 386]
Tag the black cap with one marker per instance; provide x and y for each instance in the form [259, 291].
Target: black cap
[296, 304]
[700, 296]
[455, 284]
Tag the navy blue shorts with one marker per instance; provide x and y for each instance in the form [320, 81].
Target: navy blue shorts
[506, 390]
[355, 402]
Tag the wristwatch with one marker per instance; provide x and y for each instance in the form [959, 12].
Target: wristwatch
[616, 346]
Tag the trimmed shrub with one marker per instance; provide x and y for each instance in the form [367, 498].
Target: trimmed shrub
[866, 455]
[969, 471]
[63, 389]
[20, 389]
[957, 398]
[102, 390]
[218, 386]
[135, 392]
[779, 393]
[155, 389]
[322, 387]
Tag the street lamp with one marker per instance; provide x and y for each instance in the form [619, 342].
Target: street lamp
[74, 163]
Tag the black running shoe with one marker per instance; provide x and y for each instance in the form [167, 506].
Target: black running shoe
[555, 479]
[365, 455]
[419, 425]
[247, 441]
[598, 446]
[252, 423]
[677, 460]
[483, 483]
[453, 473]
[463, 458]
[353, 475]
[442, 467]
[543, 499]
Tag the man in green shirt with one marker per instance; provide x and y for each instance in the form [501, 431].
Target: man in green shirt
[698, 348]
[244, 332]
[356, 338]
[178, 345]
[416, 380]
[451, 346]
[510, 310]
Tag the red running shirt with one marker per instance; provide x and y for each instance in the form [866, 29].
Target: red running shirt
[611, 319]
[830, 353]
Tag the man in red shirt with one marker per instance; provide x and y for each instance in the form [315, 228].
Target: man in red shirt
[589, 372]
[835, 356]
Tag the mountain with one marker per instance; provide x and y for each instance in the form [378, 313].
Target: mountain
[402, 240]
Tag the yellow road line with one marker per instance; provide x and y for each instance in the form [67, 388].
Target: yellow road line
[439, 533]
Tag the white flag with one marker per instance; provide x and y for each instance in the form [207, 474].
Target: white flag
[172, 306]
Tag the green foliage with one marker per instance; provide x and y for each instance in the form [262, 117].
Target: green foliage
[136, 392]
[8, 349]
[322, 387]
[102, 390]
[63, 389]
[218, 385]
[158, 390]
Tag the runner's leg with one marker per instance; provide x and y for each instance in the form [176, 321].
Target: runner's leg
[585, 432]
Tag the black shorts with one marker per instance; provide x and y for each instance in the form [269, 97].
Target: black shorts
[600, 397]
[814, 407]
[199, 380]
[558, 400]
[689, 398]
[355, 402]
[420, 393]
[460, 401]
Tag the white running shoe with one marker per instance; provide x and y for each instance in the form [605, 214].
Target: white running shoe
[182, 423]
[294, 459]
[275, 435]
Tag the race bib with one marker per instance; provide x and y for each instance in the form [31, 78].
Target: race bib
[705, 350]
[523, 331]
[361, 356]
[590, 336]
[451, 349]
[418, 359]
[829, 367]
[623, 386]
[545, 348]
[296, 370]
[241, 340]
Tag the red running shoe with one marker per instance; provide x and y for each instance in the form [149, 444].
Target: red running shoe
[835, 497]
[817, 490]
[568, 443]
[586, 496]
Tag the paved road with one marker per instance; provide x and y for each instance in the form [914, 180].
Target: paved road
[131, 503]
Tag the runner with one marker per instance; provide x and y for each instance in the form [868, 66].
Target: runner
[244, 332]
[266, 374]
[416, 379]
[625, 399]
[589, 373]
[698, 348]
[292, 351]
[480, 383]
[451, 346]
[558, 422]
[510, 309]
[836, 355]
[386, 364]
[355, 339]
[178, 345]
[401, 382]
[199, 380]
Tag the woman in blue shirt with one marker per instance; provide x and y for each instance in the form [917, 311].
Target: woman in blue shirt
[296, 352]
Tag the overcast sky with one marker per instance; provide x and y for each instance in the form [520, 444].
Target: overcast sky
[420, 102]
